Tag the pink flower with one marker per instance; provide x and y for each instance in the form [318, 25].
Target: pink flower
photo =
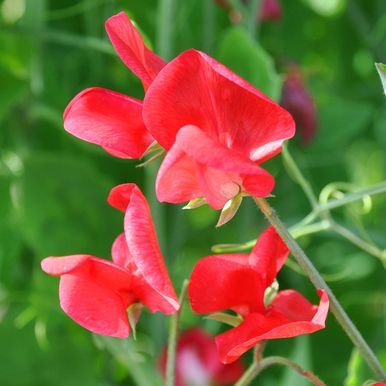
[96, 293]
[240, 282]
[198, 364]
[299, 102]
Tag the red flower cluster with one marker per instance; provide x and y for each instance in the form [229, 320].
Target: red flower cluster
[217, 130]
[240, 282]
[216, 127]
[197, 362]
[96, 292]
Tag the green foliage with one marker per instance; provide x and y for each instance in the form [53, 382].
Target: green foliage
[243, 55]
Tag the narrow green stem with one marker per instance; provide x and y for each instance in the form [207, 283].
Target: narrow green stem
[208, 29]
[253, 17]
[297, 175]
[354, 196]
[354, 239]
[165, 29]
[319, 283]
[258, 367]
[173, 338]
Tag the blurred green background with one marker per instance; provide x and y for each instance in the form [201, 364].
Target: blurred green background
[53, 187]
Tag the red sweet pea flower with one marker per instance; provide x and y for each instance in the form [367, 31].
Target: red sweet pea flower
[217, 129]
[96, 292]
[239, 282]
[107, 118]
[198, 364]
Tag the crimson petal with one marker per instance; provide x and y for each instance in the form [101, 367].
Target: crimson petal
[143, 247]
[131, 48]
[219, 282]
[279, 322]
[195, 89]
[177, 179]
[110, 120]
[269, 254]
[93, 292]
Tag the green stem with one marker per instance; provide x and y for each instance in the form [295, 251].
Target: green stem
[253, 17]
[258, 367]
[297, 175]
[354, 239]
[165, 29]
[208, 29]
[173, 338]
[319, 283]
[354, 196]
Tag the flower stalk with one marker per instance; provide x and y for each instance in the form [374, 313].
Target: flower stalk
[258, 366]
[173, 338]
[319, 283]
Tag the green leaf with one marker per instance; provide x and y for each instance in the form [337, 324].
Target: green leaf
[62, 207]
[248, 59]
[381, 68]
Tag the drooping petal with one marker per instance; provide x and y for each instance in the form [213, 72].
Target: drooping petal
[194, 89]
[95, 307]
[280, 322]
[131, 48]
[110, 120]
[120, 195]
[260, 184]
[217, 186]
[57, 266]
[94, 292]
[143, 246]
[221, 282]
[269, 255]
[177, 179]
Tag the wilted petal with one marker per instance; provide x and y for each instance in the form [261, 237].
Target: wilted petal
[280, 322]
[131, 48]
[195, 89]
[110, 120]
[269, 255]
[177, 179]
[220, 282]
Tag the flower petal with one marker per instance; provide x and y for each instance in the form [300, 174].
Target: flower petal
[57, 266]
[203, 149]
[121, 254]
[219, 282]
[268, 255]
[195, 89]
[95, 307]
[260, 184]
[110, 120]
[120, 195]
[131, 48]
[177, 180]
[94, 292]
[143, 247]
[280, 322]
